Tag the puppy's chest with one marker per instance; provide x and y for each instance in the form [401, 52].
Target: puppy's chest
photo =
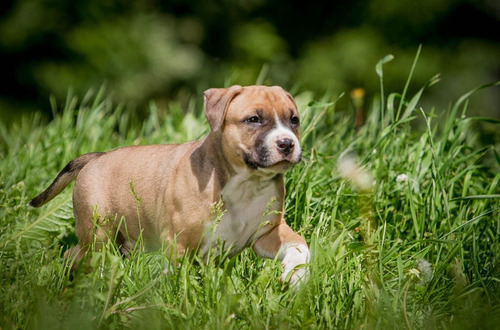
[248, 206]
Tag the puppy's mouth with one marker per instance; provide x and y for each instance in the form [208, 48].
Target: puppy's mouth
[263, 161]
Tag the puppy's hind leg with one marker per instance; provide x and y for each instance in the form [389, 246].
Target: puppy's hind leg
[93, 237]
[73, 257]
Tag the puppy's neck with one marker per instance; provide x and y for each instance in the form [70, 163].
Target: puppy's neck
[246, 187]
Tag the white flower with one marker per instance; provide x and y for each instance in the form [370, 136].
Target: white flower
[402, 178]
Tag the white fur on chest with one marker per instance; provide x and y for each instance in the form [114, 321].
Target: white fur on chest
[249, 204]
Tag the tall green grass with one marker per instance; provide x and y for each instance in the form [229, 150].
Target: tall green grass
[420, 251]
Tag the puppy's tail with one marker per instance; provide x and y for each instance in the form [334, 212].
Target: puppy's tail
[64, 178]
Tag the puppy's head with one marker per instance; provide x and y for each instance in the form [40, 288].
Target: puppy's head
[259, 126]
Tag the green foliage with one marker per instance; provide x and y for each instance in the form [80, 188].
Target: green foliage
[159, 50]
[417, 243]
[140, 56]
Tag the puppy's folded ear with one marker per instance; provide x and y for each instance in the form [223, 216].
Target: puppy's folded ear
[216, 103]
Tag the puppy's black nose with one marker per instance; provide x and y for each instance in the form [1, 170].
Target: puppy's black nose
[285, 146]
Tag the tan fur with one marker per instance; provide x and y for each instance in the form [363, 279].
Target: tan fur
[169, 193]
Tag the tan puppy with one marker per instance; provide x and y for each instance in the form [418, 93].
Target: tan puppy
[171, 194]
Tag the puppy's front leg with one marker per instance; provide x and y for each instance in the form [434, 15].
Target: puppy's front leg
[291, 249]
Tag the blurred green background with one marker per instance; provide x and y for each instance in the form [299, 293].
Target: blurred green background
[162, 50]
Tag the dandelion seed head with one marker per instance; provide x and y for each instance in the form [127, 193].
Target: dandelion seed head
[349, 169]
[425, 269]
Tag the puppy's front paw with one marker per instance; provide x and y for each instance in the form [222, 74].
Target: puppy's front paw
[295, 258]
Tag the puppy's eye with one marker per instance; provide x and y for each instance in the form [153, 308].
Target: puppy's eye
[253, 120]
[295, 121]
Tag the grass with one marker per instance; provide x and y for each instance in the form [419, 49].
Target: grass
[418, 252]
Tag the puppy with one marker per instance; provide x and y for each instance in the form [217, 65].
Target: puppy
[226, 188]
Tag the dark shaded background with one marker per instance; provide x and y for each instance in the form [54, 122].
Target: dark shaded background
[160, 50]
